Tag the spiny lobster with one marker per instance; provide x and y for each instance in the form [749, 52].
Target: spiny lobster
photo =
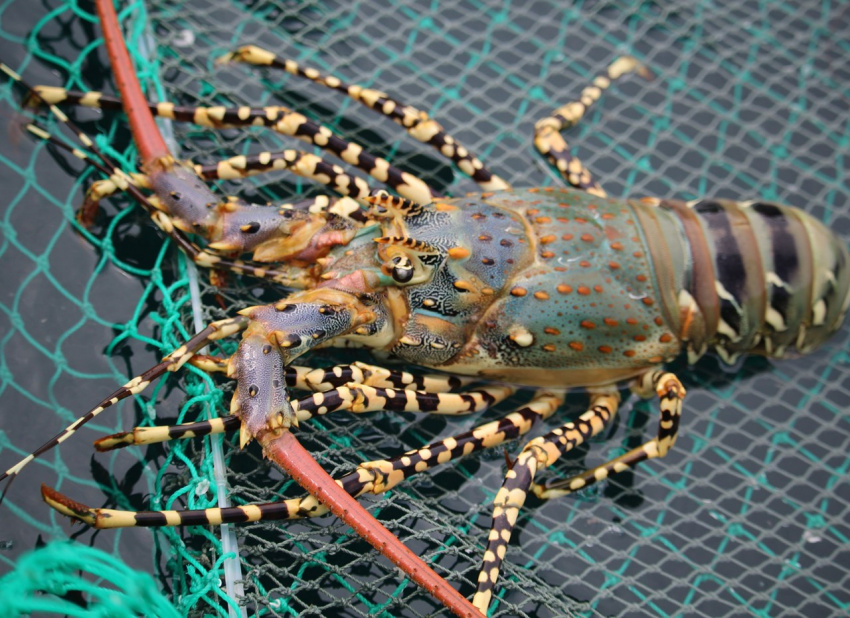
[480, 286]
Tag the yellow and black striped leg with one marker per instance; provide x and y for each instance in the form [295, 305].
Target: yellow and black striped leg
[370, 477]
[536, 455]
[141, 436]
[671, 394]
[415, 121]
[359, 398]
[172, 362]
[547, 131]
[327, 378]
[300, 163]
[355, 398]
[277, 118]
[300, 378]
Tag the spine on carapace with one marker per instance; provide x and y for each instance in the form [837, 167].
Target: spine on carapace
[762, 278]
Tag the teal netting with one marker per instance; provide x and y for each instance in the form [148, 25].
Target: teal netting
[749, 513]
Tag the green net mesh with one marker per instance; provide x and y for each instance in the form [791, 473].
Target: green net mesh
[748, 514]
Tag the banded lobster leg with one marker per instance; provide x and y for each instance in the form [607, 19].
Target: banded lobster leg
[547, 131]
[415, 121]
[295, 377]
[298, 232]
[370, 477]
[542, 452]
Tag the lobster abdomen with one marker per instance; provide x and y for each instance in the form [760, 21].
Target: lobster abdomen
[767, 279]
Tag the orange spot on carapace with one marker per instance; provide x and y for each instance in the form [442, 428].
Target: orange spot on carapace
[605, 349]
[518, 291]
[551, 331]
[587, 238]
[541, 295]
[549, 238]
[665, 338]
[549, 347]
[587, 324]
[458, 253]
[578, 346]
[584, 290]
[564, 288]
[610, 321]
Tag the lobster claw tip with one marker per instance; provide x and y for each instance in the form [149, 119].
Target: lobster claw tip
[65, 505]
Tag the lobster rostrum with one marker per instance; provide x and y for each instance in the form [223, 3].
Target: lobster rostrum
[548, 288]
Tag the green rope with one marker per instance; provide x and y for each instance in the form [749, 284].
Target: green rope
[74, 580]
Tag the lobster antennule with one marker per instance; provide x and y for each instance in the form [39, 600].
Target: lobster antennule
[172, 362]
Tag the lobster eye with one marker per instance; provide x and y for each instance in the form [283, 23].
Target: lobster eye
[402, 270]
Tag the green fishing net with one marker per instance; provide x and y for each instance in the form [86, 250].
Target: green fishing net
[747, 515]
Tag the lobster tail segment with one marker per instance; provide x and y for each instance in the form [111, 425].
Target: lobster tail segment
[830, 281]
[781, 279]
